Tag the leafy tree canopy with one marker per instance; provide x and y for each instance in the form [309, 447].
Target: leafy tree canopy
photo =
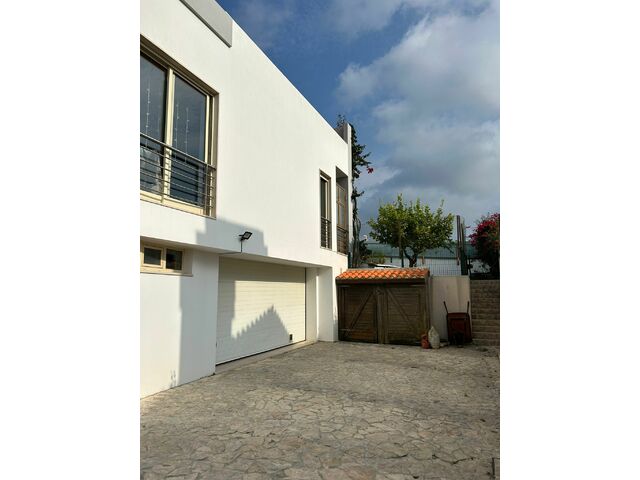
[412, 228]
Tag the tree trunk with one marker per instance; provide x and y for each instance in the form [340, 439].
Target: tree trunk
[413, 259]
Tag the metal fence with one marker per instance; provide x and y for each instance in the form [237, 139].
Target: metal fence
[342, 237]
[325, 233]
[169, 172]
[440, 261]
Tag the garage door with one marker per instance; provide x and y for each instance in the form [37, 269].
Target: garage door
[261, 306]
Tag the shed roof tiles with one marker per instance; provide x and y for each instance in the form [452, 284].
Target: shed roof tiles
[382, 274]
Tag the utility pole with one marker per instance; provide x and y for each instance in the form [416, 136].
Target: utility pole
[462, 254]
[400, 245]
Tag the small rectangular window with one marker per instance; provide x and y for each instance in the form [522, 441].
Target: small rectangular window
[152, 256]
[173, 259]
[158, 259]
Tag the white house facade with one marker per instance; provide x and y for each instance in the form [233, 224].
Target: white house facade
[228, 146]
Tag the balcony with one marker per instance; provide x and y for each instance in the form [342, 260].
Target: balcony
[325, 232]
[175, 178]
[342, 237]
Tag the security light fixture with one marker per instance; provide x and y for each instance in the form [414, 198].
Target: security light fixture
[244, 236]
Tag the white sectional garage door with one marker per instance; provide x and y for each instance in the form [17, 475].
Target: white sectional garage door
[259, 306]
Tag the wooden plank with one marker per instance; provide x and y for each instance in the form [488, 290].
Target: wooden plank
[354, 318]
[380, 317]
[405, 320]
[357, 318]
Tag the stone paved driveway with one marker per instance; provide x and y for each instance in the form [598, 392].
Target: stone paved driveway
[331, 411]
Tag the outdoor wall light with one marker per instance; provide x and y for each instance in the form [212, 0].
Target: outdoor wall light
[244, 236]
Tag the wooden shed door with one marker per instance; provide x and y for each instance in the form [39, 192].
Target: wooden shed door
[382, 313]
[357, 317]
[404, 314]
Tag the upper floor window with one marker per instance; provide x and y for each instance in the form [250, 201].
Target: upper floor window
[325, 211]
[342, 227]
[176, 119]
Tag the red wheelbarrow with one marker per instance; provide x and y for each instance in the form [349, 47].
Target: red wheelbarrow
[458, 326]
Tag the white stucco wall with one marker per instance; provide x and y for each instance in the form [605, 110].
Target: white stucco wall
[271, 147]
[178, 325]
[327, 305]
[311, 313]
[456, 291]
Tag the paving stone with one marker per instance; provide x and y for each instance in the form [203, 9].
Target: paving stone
[302, 473]
[331, 411]
[334, 474]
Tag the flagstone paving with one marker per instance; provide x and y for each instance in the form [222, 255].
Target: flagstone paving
[331, 411]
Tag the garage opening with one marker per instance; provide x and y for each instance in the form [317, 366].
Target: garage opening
[383, 305]
[261, 306]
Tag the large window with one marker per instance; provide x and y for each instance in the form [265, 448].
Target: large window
[176, 119]
[153, 80]
[325, 211]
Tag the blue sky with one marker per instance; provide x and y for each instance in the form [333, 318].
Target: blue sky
[419, 79]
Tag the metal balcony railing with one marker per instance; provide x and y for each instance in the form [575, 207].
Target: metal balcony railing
[325, 232]
[342, 237]
[169, 172]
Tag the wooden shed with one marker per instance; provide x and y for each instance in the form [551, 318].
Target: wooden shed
[383, 305]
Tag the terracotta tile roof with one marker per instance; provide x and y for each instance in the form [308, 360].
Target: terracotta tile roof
[382, 274]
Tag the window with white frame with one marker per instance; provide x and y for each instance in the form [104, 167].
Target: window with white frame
[176, 117]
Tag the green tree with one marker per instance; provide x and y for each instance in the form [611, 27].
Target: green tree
[358, 162]
[412, 228]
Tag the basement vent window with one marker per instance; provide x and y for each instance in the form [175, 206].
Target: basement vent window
[173, 259]
[152, 257]
[157, 259]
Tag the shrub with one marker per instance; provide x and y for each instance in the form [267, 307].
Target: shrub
[486, 240]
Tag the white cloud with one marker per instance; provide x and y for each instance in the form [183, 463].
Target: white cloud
[448, 65]
[356, 17]
[357, 83]
[370, 183]
[435, 104]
